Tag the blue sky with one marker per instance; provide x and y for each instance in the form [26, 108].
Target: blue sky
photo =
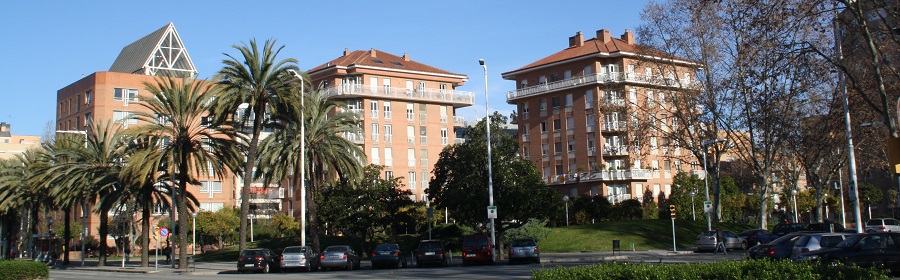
[51, 44]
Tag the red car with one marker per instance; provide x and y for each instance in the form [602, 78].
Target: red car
[477, 248]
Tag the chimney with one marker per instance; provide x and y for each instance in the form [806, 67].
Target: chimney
[374, 53]
[346, 51]
[603, 36]
[577, 40]
[4, 127]
[628, 37]
[406, 56]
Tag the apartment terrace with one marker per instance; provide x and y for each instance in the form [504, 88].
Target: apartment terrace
[602, 175]
[602, 78]
[455, 97]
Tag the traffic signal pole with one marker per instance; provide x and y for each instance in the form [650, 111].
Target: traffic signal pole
[672, 210]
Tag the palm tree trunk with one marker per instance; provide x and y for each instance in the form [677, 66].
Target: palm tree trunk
[182, 221]
[67, 234]
[248, 177]
[145, 234]
[104, 231]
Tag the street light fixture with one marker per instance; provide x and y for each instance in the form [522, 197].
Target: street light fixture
[487, 119]
[194, 235]
[694, 216]
[302, 160]
[566, 201]
[794, 197]
[706, 144]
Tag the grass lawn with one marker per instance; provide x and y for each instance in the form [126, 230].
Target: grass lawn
[644, 234]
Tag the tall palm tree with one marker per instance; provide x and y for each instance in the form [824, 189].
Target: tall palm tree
[328, 152]
[92, 173]
[255, 84]
[187, 148]
[45, 174]
[21, 191]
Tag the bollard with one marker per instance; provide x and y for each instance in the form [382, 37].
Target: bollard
[632, 247]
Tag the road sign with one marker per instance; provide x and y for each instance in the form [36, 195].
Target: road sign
[163, 232]
[707, 206]
[492, 212]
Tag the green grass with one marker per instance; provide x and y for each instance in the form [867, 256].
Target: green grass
[644, 234]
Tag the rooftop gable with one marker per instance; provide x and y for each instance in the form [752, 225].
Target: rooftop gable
[160, 53]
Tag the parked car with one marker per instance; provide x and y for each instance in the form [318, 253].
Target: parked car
[827, 226]
[387, 255]
[757, 236]
[299, 257]
[431, 252]
[477, 248]
[707, 241]
[780, 248]
[864, 250]
[883, 225]
[252, 260]
[817, 241]
[782, 229]
[339, 256]
[524, 249]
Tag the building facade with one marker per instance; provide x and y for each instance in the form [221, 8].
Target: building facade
[593, 118]
[13, 145]
[407, 108]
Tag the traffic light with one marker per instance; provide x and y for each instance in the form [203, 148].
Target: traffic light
[672, 211]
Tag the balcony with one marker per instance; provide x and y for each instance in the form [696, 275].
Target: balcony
[454, 97]
[617, 102]
[603, 175]
[598, 78]
[616, 198]
[614, 126]
[459, 121]
[615, 151]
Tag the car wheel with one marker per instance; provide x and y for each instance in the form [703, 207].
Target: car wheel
[350, 266]
[400, 264]
[537, 260]
[744, 245]
[265, 268]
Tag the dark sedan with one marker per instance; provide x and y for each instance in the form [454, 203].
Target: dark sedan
[780, 248]
[431, 252]
[387, 255]
[757, 236]
[262, 260]
[865, 250]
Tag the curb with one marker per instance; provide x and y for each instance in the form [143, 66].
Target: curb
[118, 269]
[606, 258]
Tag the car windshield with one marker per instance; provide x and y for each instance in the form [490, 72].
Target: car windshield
[294, 250]
[829, 241]
[336, 249]
[523, 243]
[475, 241]
[786, 238]
[849, 241]
[424, 246]
[251, 253]
[386, 247]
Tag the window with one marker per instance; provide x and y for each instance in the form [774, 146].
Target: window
[373, 84]
[557, 148]
[653, 144]
[210, 206]
[374, 107]
[524, 110]
[411, 158]
[588, 70]
[424, 182]
[409, 111]
[543, 104]
[677, 165]
[543, 127]
[89, 96]
[423, 135]
[650, 99]
[211, 186]
[423, 158]
[554, 101]
[632, 96]
[523, 84]
[662, 99]
[375, 132]
[591, 147]
[387, 110]
[126, 94]
[444, 136]
[571, 146]
[387, 85]
[388, 131]
[590, 122]
[443, 114]
[376, 158]
[421, 86]
[88, 119]
[570, 123]
[388, 157]
[389, 175]
[557, 125]
[525, 153]
[568, 100]
[123, 117]
[423, 115]
[410, 134]
[545, 149]
[567, 74]
[589, 99]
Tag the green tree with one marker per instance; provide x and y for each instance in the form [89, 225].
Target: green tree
[175, 110]
[258, 79]
[519, 191]
[219, 225]
[285, 224]
[683, 185]
[534, 228]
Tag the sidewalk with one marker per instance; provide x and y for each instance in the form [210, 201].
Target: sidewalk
[134, 266]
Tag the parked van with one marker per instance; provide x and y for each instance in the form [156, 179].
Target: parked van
[477, 249]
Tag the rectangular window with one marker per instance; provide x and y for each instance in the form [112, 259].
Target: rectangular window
[524, 130]
[387, 85]
[387, 110]
[88, 119]
[653, 144]
[568, 100]
[632, 96]
[89, 96]
[411, 157]
[125, 95]
[409, 87]
[123, 117]
[589, 99]
[375, 135]
[373, 84]
[554, 101]
[376, 157]
[423, 157]
[650, 99]
[443, 114]
[410, 134]
[409, 111]
[543, 104]
[423, 135]
[388, 156]
[423, 113]
[543, 127]
[571, 146]
[373, 105]
[557, 125]
[662, 99]
[211, 186]
[588, 70]
[424, 180]
[570, 123]
[389, 175]
[590, 122]
[388, 131]
[557, 148]
[545, 149]
[444, 136]
[524, 110]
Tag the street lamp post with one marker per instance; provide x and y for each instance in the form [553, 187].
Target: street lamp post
[251, 226]
[487, 119]
[706, 144]
[694, 216]
[566, 201]
[302, 160]
[794, 197]
[194, 234]
[851, 158]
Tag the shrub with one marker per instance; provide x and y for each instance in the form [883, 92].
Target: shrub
[751, 269]
[15, 270]
[534, 228]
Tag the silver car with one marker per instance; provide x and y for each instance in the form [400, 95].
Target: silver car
[816, 241]
[339, 256]
[707, 241]
[524, 249]
[299, 257]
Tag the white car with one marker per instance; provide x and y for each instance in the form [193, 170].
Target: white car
[883, 225]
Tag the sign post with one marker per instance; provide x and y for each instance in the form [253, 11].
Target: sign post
[672, 210]
[707, 206]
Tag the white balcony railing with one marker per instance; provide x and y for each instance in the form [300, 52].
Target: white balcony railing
[616, 198]
[615, 150]
[614, 126]
[604, 175]
[456, 97]
[459, 121]
[598, 78]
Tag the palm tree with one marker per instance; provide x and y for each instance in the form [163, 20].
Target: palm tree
[21, 191]
[256, 84]
[45, 174]
[92, 173]
[327, 150]
[186, 148]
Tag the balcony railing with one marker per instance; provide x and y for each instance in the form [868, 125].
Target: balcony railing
[614, 126]
[616, 198]
[598, 78]
[603, 175]
[615, 150]
[455, 97]
[459, 121]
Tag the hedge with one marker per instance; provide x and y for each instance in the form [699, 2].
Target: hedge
[750, 269]
[15, 270]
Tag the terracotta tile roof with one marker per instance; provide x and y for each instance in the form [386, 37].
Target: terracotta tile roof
[382, 60]
[591, 46]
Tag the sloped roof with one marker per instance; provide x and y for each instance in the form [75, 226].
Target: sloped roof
[380, 59]
[160, 53]
[590, 47]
